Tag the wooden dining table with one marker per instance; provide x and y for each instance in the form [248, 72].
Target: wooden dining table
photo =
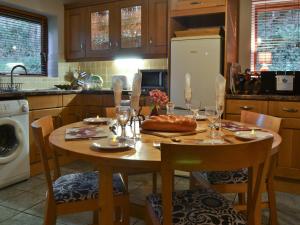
[142, 155]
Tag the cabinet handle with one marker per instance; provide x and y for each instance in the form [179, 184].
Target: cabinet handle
[110, 44]
[290, 110]
[81, 45]
[117, 44]
[150, 41]
[196, 3]
[245, 107]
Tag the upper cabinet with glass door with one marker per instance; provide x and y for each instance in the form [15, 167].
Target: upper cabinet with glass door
[133, 25]
[100, 29]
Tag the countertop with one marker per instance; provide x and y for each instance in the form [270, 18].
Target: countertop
[38, 92]
[292, 98]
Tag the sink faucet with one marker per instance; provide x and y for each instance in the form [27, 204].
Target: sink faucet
[12, 73]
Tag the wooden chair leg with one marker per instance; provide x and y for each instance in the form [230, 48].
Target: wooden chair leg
[50, 213]
[154, 182]
[242, 198]
[272, 202]
[95, 217]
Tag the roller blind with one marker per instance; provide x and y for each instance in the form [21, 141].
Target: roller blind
[22, 42]
[275, 35]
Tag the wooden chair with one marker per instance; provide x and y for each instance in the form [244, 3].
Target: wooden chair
[73, 193]
[205, 205]
[236, 181]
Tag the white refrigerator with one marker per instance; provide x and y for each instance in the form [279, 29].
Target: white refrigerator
[201, 57]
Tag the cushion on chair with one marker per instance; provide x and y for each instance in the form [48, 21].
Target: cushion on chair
[82, 186]
[228, 177]
[198, 207]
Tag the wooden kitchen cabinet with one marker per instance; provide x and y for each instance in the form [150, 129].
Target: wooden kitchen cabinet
[75, 32]
[133, 15]
[101, 30]
[116, 28]
[234, 107]
[71, 114]
[158, 27]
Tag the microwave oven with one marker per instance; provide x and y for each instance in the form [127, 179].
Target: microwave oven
[154, 79]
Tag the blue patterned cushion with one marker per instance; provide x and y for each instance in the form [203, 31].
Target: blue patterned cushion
[228, 177]
[198, 207]
[82, 186]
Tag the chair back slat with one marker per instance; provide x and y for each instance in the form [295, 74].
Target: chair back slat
[254, 155]
[261, 120]
[42, 128]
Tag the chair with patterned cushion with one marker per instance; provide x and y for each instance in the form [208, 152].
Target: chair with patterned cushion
[73, 193]
[236, 181]
[205, 205]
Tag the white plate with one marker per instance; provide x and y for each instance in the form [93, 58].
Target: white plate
[250, 135]
[108, 145]
[97, 120]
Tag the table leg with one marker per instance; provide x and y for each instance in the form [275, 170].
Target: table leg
[106, 196]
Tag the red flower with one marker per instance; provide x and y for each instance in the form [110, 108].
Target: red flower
[158, 97]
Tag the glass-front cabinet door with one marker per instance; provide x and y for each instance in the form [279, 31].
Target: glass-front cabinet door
[133, 24]
[100, 31]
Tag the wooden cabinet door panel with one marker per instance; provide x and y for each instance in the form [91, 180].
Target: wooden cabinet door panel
[289, 155]
[233, 117]
[285, 109]
[235, 106]
[44, 102]
[92, 111]
[101, 25]
[133, 17]
[158, 27]
[75, 33]
[71, 114]
[37, 114]
[196, 4]
[72, 100]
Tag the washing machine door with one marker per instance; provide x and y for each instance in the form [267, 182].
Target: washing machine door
[12, 138]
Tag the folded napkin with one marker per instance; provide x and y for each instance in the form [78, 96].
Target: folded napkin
[136, 91]
[220, 91]
[118, 88]
[188, 89]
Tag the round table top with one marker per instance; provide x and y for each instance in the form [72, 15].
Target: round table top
[143, 154]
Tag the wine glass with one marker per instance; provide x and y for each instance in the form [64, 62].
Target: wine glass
[212, 116]
[123, 116]
[194, 107]
[220, 110]
[188, 97]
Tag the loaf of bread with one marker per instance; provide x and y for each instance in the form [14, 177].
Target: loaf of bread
[169, 123]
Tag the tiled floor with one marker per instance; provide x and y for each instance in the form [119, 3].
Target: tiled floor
[23, 203]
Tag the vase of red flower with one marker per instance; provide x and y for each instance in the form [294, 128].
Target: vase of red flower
[159, 99]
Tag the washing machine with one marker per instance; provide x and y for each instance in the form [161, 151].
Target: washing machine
[14, 142]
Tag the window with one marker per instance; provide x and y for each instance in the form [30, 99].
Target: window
[23, 41]
[275, 38]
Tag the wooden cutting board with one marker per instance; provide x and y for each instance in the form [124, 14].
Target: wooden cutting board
[172, 134]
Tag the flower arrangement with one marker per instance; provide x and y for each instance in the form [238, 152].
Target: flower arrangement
[159, 99]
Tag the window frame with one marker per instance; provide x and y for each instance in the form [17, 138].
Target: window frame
[263, 8]
[31, 17]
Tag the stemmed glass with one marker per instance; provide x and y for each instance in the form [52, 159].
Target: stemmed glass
[194, 107]
[212, 116]
[188, 97]
[123, 116]
[220, 110]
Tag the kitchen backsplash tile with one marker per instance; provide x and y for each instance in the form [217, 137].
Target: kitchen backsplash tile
[106, 69]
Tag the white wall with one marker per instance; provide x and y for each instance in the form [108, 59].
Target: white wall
[245, 34]
[54, 10]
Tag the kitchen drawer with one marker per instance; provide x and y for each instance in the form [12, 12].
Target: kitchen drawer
[196, 4]
[71, 100]
[235, 106]
[90, 99]
[44, 102]
[284, 109]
